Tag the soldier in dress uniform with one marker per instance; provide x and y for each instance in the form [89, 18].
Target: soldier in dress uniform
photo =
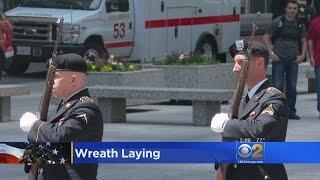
[77, 118]
[263, 114]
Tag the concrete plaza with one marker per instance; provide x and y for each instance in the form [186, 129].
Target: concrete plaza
[159, 122]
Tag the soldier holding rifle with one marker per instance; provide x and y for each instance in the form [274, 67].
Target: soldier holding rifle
[77, 118]
[262, 114]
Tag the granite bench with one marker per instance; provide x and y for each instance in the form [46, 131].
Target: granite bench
[310, 75]
[6, 91]
[205, 102]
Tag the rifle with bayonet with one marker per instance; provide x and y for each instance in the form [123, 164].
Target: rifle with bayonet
[45, 101]
[30, 158]
[234, 108]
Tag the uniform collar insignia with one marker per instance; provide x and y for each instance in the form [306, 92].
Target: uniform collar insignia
[67, 105]
[252, 113]
[61, 121]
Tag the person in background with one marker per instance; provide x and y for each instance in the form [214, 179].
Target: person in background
[314, 51]
[287, 45]
[6, 35]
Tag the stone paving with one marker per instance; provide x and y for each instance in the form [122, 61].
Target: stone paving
[160, 122]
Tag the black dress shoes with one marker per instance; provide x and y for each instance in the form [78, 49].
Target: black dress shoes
[294, 117]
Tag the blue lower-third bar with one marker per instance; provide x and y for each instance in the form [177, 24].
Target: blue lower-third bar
[195, 152]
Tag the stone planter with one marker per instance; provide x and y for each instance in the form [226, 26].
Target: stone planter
[218, 76]
[143, 78]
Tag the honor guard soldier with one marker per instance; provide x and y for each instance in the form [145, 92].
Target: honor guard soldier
[263, 114]
[77, 118]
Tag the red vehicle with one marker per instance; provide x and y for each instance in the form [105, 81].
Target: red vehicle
[6, 49]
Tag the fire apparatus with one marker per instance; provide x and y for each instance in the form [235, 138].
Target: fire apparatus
[6, 50]
[136, 29]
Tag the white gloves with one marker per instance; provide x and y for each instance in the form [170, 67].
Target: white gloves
[27, 120]
[218, 122]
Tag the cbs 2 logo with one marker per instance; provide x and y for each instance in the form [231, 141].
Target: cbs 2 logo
[253, 150]
[119, 30]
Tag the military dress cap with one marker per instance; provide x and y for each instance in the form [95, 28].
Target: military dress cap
[71, 62]
[241, 46]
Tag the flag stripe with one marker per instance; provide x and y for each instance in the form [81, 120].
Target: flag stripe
[9, 154]
[9, 159]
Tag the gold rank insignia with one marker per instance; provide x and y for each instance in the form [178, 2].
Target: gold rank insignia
[273, 90]
[83, 98]
[269, 110]
[84, 117]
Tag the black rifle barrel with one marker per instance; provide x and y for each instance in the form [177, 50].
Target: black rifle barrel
[234, 108]
[45, 100]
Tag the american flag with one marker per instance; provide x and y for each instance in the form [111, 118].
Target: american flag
[10, 154]
[57, 153]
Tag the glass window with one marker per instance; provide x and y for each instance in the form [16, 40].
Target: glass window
[257, 6]
[63, 4]
[268, 8]
[243, 6]
[9, 4]
[253, 6]
[117, 5]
